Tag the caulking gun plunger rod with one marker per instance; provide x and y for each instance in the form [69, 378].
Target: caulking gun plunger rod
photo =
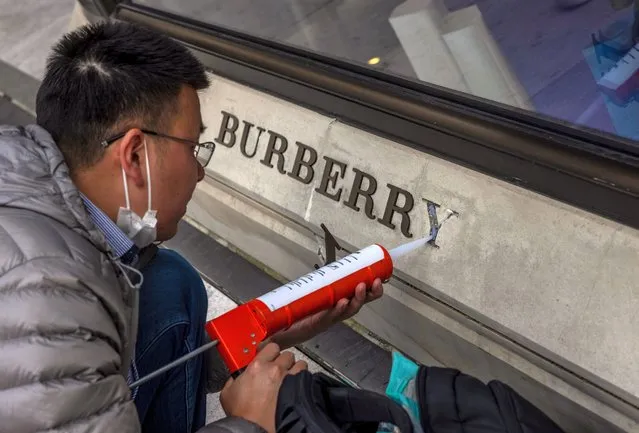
[238, 332]
[175, 363]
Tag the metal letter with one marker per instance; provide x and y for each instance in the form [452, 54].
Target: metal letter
[392, 207]
[356, 191]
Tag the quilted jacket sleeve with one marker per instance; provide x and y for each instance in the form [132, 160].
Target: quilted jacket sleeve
[451, 401]
[60, 349]
[232, 425]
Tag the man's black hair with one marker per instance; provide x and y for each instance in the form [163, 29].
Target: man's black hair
[109, 76]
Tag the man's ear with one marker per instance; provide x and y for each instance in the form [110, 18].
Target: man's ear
[129, 154]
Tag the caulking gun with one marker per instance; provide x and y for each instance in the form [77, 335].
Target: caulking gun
[238, 332]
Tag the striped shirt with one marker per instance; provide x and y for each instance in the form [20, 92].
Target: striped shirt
[122, 247]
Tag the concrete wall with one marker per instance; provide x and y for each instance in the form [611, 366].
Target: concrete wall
[521, 288]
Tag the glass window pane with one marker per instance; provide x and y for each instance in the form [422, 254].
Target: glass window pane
[573, 60]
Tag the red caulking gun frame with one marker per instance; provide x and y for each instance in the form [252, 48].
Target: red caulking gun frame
[238, 332]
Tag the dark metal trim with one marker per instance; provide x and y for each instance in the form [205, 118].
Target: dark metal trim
[592, 171]
[102, 8]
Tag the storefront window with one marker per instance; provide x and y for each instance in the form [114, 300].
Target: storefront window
[572, 60]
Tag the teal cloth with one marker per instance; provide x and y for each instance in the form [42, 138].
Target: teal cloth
[401, 389]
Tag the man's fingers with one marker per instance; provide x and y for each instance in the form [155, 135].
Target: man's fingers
[338, 311]
[269, 352]
[346, 308]
[262, 344]
[286, 360]
[342, 305]
[353, 307]
[376, 290]
[298, 367]
[228, 383]
[358, 299]
[360, 292]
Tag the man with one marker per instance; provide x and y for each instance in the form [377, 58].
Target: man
[107, 171]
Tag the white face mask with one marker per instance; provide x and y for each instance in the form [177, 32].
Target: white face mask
[142, 231]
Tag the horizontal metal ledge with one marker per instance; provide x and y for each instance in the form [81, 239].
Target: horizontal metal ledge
[12, 114]
[591, 171]
[20, 87]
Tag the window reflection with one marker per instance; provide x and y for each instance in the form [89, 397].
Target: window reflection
[573, 60]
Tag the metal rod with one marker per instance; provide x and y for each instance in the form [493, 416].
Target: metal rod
[175, 363]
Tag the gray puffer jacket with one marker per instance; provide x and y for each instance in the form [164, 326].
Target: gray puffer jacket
[65, 309]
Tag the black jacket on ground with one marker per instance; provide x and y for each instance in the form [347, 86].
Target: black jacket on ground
[449, 401]
[453, 402]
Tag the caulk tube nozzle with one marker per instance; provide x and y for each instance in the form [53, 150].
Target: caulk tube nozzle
[401, 250]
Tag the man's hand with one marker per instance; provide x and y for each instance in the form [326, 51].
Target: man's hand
[253, 395]
[320, 322]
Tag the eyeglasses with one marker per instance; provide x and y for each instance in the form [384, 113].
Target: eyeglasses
[203, 151]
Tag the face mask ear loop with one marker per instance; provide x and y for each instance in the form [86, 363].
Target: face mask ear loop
[123, 268]
[148, 173]
[126, 189]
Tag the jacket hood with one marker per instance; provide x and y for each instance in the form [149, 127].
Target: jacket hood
[35, 177]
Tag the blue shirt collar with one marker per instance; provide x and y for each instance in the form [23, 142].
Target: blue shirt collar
[122, 246]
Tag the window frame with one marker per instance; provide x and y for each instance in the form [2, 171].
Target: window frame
[585, 168]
